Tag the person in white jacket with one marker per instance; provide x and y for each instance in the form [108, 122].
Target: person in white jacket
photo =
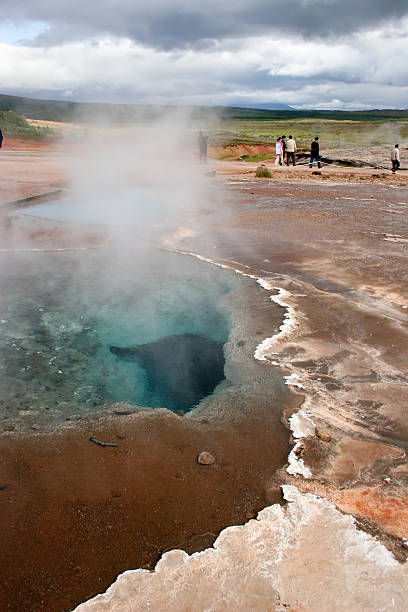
[279, 152]
[395, 158]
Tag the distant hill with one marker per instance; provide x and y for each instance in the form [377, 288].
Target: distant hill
[266, 106]
[58, 110]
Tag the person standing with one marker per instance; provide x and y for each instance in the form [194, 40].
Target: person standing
[202, 146]
[279, 152]
[283, 140]
[395, 158]
[315, 153]
[290, 151]
[1, 138]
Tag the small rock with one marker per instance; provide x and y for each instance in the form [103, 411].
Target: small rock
[35, 427]
[29, 413]
[323, 435]
[180, 413]
[250, 515]
[205, 458]
[2, 487]
[317, 172]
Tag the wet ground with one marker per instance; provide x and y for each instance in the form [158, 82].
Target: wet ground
[339, 251]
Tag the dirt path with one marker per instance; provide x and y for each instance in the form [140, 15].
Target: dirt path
[28, 168]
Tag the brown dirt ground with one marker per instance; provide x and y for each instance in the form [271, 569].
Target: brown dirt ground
[75, 515]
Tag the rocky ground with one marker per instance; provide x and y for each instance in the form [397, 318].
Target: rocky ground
[331, 252]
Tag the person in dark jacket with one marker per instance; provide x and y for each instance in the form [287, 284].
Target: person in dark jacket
[315, 153]
[1, 139]
[283, 139]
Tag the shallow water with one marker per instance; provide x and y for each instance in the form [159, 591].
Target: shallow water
[142, 208]
[60, 313]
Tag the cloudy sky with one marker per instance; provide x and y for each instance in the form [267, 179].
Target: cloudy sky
[305, 53]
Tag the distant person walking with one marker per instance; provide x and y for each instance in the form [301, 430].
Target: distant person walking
[1, 139]
[395, 158]
[202, 146]
[279, 152]
[290, 151]
[315, 153]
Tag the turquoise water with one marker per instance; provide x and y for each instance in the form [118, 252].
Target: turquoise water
[60, 313]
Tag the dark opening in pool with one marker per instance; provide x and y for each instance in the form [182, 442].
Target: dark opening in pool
[182, 368]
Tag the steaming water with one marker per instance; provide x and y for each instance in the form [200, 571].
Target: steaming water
[60, 313]
[120, 207]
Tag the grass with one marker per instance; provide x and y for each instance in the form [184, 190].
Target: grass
[332, 133]
[263, 172]
[336, 129]
[256, 158]
[12, 124]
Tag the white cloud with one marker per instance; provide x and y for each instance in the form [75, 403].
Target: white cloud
[171, 24]
[361, 70]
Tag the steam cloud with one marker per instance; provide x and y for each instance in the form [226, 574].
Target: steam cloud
[138, 177]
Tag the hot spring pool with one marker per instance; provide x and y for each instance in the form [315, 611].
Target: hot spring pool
[66, 316]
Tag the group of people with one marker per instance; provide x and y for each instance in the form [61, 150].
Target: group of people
[287, 148]
[286, 151]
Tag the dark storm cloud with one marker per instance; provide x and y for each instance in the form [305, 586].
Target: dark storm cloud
[191, 23]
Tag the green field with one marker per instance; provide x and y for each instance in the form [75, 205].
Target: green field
[332, 133]
[226, 125]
